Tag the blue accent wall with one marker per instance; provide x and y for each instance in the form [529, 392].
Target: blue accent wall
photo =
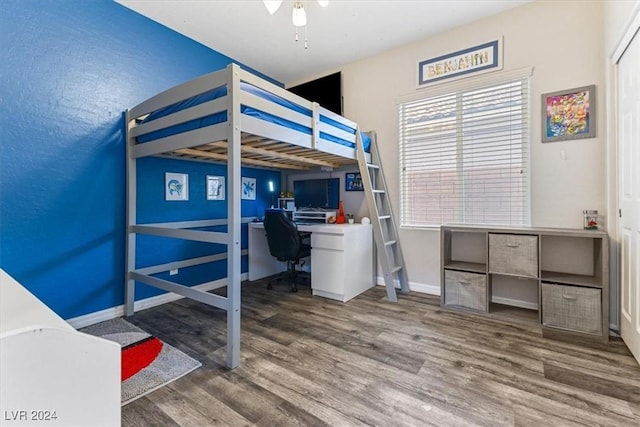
[69, 68]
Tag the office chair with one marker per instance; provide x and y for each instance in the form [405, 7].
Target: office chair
[286, 243]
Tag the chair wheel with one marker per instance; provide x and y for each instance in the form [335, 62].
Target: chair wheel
[269, 285]
[294, 289]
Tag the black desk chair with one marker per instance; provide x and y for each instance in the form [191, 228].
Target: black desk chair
[286, 243]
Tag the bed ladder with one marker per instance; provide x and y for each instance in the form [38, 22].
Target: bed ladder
[385, 232]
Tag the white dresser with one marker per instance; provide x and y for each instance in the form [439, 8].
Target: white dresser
[52, 374]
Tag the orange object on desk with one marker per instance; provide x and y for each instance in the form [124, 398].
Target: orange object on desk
[340, 219]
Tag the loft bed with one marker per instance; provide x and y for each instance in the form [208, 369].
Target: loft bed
[234, 117]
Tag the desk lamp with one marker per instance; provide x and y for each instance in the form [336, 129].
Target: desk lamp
[271, 191]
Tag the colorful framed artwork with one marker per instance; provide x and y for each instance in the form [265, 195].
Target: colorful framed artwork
[215, 187]
[569, 114]
[176, 186]
[248, 188]
[353, 182]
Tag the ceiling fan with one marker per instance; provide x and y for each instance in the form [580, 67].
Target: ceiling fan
[298, 15]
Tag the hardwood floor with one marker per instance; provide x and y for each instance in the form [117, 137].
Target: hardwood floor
[310, 361]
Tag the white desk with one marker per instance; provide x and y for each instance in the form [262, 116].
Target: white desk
[341, 258]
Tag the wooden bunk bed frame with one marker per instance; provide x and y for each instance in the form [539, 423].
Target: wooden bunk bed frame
[240, 138]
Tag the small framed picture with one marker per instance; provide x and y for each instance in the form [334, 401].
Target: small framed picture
[353, 181]
[176, 186]
[248, 188]
[215, 187]
[569, 114]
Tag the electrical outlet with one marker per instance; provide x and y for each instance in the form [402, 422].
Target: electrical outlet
[173, 272]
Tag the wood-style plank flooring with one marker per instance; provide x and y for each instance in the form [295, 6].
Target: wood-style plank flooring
[310, 361]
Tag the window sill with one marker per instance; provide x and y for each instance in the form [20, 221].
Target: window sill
[421, 227]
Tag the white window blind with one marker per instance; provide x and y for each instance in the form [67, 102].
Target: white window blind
[464, 156]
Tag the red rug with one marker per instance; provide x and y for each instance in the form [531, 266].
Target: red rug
[147, 362]
[139, 355]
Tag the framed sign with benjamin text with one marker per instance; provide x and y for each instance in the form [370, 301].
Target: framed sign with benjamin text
[478, 59]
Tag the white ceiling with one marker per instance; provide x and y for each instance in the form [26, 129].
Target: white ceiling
[343, 32]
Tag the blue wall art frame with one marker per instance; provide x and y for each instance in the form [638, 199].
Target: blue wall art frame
[215, 187]
[248, 188]
[176, 186]
[353, 181]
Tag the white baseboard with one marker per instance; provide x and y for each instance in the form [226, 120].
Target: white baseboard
[96, 317]
[425, 289]
[113, 312]
[435, 290]
[417, 287]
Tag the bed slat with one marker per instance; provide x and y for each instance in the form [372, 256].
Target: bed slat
[279, 133]
[276, 154]
[192, 138]
[261, 104]
[337, 149]
[223, 157]
[155, 269]
[338, 118]
[199, 223]
[195, 235]
[196, 112]
[186, 291]
[338, 133]
[180, 93]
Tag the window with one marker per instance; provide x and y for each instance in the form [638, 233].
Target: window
[464, 156]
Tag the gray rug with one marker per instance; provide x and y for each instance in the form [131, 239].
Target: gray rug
[169, 365]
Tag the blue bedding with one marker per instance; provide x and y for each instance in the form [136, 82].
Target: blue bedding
[222, 116]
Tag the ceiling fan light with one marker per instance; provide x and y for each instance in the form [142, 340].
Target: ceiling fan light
[323, 3]
[299, 16]
[272, 5]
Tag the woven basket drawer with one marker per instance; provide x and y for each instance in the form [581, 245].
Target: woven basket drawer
[468, 290]
[513, 254]
[574, 308]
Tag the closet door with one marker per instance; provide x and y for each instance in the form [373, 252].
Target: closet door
[629, 193]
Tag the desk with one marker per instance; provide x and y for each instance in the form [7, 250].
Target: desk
[341, 258]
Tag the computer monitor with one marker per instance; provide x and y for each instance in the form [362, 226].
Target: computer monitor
[317, 193]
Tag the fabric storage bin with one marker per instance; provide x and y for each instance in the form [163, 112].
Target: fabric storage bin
[574, 308]
[463, 289]
[513, 254]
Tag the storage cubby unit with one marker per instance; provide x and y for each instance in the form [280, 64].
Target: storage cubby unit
[568, 268]
[573, 260]
[574, 287]
[464, 261]
[465, 250]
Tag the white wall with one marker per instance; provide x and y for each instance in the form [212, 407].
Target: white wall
[563, 41]
[617, 15]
